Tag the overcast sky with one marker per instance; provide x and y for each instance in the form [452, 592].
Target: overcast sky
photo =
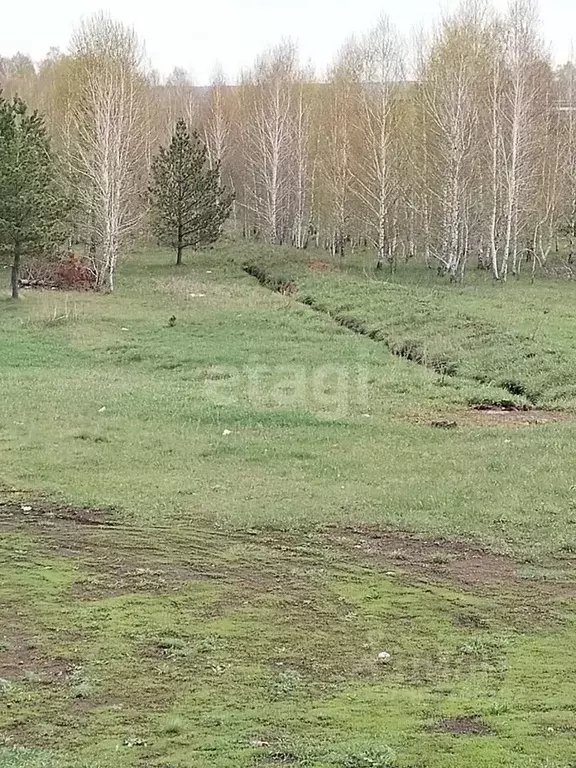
[196, 35]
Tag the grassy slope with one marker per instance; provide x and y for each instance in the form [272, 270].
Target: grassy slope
[274, 659]
[516, 336]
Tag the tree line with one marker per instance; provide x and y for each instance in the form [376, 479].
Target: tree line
[456, 147]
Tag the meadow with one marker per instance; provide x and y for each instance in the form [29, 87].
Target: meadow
[227, 488]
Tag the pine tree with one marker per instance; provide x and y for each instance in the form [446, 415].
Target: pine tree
[32, 211]
[190, 204]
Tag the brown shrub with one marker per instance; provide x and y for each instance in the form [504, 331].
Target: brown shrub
[67, 272]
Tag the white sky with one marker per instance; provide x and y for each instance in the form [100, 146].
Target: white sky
[195, 35]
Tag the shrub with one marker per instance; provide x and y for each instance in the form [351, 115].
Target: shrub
[67, 272]
[74, 272]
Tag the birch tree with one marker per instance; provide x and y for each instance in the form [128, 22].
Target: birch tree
[566, 106]
[494, 95]
[181, 99]
[451, 96]
[376, 177]
[217, 121]
[520, 94]
[543, 191]
[304, 158]
[268, 139]
[108, 115]
[337, 141]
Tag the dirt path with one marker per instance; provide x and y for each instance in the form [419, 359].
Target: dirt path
[121, 559]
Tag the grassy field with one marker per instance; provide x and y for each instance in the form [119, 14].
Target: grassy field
[220, 504]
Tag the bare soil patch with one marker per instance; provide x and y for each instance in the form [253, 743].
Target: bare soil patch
[42, 512]
[453, 560]
[463, 726]
[22, 660]
[499, 416]
[122, 578]
[459, 563]
[119, 559]
[116, 559]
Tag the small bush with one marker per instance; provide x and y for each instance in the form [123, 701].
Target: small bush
[67, 272]
[74, 272]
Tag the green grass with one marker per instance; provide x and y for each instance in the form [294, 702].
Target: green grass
[516, 336]
[322, 421]
[280, 658]
[227, 619]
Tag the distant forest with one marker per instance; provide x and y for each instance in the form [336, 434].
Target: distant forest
[457, 148]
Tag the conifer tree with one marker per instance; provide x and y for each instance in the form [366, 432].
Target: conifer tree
[190, 205]
[32, 210]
